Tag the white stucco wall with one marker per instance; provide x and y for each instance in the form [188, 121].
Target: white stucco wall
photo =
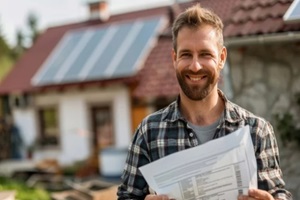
[24, 118]
[74, 120]
[122, 119]
[25, 121]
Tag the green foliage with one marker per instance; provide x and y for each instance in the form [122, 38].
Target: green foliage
[20, 46]
[22, 41]
[287, 126]
[32, 22]
[22, 191]
[4, 48]
[5, 65]
[6, 59]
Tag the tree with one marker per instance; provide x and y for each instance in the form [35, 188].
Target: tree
[6, 60]
[32, 23]
[20, 46]
[24, 41]
[4, 48]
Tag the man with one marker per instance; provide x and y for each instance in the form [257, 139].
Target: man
[201, 112]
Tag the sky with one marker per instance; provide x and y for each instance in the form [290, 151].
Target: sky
[14, 13]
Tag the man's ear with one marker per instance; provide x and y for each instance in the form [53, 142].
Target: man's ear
[223, 57]
[174, 55]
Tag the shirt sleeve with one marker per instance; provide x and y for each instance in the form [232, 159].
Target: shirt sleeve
[268, 164]
[133, 185]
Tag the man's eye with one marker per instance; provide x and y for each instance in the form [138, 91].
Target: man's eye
[185, 55]
[205, 54]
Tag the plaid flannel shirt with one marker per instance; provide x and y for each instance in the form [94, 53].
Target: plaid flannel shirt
[165, 132]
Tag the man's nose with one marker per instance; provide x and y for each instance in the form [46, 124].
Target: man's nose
[195, 65]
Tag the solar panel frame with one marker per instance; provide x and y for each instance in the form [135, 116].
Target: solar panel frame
[105, 59]
[124, 47]
[100, 53]
[85, 55]
[293, 12]
[69, 62]
[50, 59]
[144, 34]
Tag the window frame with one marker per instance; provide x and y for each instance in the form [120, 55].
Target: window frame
[41, 141]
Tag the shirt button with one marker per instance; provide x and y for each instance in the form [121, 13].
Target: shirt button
[191, 134]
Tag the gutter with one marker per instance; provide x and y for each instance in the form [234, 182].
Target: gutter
[263, 39]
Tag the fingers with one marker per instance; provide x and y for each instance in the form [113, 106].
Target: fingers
[255, 194]
[243, 197]
[156, 197]
[260, 194]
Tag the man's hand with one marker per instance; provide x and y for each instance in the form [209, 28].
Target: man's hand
[256, 194]
[157, 197]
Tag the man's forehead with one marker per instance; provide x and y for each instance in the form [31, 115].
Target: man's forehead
[205, 29]
[204, 35]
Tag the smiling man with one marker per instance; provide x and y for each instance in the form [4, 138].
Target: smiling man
[201, 113]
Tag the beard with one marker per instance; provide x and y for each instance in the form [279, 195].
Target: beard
[197, 92]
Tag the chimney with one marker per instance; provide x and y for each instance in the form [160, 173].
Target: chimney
[99, 10]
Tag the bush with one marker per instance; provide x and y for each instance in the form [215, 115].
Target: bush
[22, 191]
[286, 124]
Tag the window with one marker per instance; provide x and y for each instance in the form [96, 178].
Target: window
[49, 130]
[103, 127]
[293, 13]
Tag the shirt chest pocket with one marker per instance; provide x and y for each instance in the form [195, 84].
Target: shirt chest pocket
[163, 147]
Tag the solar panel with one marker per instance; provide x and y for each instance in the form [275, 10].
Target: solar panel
[293, 13]
[100, 53]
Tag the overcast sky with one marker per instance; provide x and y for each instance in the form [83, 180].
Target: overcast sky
[14, 13]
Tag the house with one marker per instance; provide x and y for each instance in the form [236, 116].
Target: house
[84, 87]
[262, 38]
[68, 88]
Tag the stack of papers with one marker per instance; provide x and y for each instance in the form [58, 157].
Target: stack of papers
[217, 170]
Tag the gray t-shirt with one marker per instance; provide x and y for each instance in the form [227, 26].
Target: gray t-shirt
[205, 133]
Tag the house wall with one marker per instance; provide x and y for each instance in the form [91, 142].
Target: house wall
[265, 79]
[74, 121]
[25, 121]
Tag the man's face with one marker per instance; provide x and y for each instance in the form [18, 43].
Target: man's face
[198, 61]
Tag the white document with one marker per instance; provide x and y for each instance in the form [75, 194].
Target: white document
[217, 170]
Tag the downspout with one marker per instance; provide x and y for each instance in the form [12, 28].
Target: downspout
[263, 39]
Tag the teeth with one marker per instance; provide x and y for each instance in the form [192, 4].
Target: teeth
[195, 79]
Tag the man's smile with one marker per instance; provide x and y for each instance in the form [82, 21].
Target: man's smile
[197, 78]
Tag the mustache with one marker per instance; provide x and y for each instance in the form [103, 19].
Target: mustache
[199, 72]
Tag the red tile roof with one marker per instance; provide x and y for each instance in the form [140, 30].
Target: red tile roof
[156, 77]
[255, 17]
[19, 79]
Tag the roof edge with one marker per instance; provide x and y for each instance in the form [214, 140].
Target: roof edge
[263, 39]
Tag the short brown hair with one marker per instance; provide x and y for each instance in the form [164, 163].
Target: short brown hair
[194, 17]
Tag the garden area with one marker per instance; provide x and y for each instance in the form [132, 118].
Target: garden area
[22, 191]
[68, 183]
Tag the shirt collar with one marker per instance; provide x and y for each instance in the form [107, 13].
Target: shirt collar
[172, 112]
[231, 114]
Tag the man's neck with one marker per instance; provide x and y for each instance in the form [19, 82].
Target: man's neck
[204, 112]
